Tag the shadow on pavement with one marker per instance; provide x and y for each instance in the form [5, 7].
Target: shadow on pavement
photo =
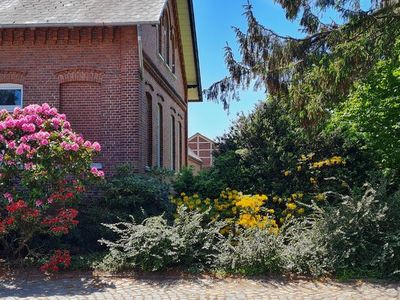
[40, 286]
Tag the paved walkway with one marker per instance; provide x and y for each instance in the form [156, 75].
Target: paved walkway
[88, 287]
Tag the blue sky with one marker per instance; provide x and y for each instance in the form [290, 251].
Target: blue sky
[214, 19]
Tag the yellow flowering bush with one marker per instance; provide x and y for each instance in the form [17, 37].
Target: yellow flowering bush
[233, 207]
[236, 209]
[265, 211]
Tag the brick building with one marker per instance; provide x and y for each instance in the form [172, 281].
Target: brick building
[203, 148]
[123, 71]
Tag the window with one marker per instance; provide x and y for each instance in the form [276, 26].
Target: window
[173, 53]
[160, 36]
[180, 148]
[149, 130]
[173, 144]
[166, 41]
[11, 96]
[159, 136]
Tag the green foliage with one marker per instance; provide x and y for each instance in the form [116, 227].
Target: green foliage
[251, 252]
[353, 237]
[130, 193]
[205, 183]
[312, 73]
[121, 195]
[155, 245]
[358, 236]
[372, 112]
[253, 156]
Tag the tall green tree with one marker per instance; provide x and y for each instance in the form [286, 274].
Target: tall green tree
[253, 155]
[313, 73]
[372, 112]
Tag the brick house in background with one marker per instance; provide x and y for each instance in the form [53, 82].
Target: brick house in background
[194, 161]
[123, 71]
[203, 148]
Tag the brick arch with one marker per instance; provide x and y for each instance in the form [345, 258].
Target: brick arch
[80, 75]
[149, 87]
[12, 76]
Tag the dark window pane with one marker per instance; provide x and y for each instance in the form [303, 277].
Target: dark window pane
[10, 97]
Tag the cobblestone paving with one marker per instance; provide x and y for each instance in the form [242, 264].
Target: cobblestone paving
[87, 287]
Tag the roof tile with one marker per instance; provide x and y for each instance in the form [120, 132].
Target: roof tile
[46, 13]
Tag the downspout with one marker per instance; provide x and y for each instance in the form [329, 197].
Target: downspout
[140, 50]
[142, 157]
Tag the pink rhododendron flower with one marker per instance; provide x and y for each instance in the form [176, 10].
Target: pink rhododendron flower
[96, 172]
[38, 144]
[9, 197]
[96, 146]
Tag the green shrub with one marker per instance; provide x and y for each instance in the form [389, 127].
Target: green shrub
[206, 183]
[306, 251]
[155, 245]
[359, 235]
[124, 194]
[251, 252]
[258, 148]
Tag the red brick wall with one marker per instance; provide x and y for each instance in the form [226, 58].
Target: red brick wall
[167, 88]
[203, 148]
[71, 99]
[94, 76]
[91, 74]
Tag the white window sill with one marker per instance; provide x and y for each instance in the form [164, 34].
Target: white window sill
[9, 108]
[98, 166]
[167, 66]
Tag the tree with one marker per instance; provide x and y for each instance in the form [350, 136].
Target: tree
[254, 155]
[372, 113]
[310, 74]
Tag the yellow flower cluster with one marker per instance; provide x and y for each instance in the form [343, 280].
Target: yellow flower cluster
[333, 161]
[308, 157]
[320, 197]
[252, 203]
[191, 202]
[247, 211]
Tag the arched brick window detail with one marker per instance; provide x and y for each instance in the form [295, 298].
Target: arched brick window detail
[80, 75]
[81, 101]
[16, 77]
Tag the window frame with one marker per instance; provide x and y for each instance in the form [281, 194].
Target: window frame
[167, 41]
[180, 146]
[12, 86]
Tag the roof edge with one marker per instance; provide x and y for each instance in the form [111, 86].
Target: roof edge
[203, 136]
[84, 24]
[195, 49]
[194, 156]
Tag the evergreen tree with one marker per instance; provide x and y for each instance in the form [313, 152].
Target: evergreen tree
[313, 73]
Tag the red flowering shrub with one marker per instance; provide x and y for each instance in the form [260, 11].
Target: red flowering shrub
[59, 258]
[44, 166]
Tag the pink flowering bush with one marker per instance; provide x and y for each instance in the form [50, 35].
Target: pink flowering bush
[44, 166]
